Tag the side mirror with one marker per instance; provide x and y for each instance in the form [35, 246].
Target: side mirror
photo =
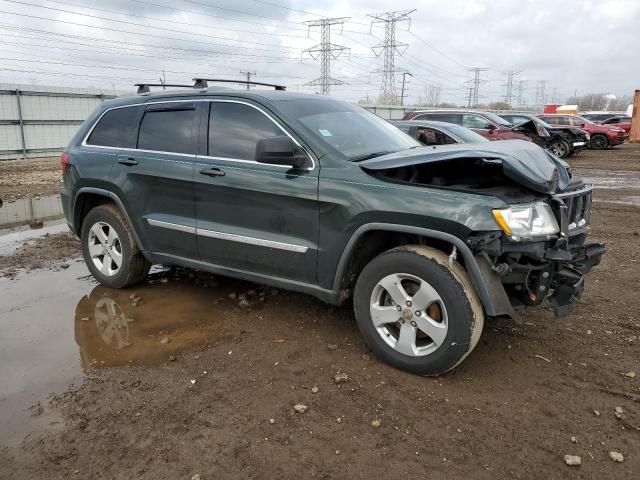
[281, 151]
[491, 127]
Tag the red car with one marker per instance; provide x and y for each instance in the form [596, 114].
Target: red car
[621, 121]
[602, 136]
[487, 124]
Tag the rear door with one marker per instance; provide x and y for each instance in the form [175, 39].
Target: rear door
[156, 178]
[252, 216]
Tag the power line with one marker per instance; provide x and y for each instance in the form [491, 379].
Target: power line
[325, 51]
[388, 49]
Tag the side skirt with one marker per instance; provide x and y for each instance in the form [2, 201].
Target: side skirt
[327, 296]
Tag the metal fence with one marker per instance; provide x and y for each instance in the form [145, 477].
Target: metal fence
[38, 121]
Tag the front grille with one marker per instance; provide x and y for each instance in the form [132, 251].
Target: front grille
[573, 208]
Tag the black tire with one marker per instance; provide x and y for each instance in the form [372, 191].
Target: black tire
[134, 266]
[450, 281]
[560, 148]
[599, 142]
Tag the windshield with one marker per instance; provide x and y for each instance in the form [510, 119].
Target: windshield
[541, 122]
[466, 135]
[495, 118]
[351, 130]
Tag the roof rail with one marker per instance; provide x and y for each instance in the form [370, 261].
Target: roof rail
[144, 87]
[203, 83]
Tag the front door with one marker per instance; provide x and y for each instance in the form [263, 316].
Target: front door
[251, 216]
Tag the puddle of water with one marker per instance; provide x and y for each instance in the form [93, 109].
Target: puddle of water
[633, 200]
[607, 179]
[57, 324]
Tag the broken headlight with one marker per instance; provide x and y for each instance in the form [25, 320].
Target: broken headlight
[527, 222]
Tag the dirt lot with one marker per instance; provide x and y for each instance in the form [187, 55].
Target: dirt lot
[176, 378]
[29, 178]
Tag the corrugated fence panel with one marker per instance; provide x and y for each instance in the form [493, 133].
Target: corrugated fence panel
[8, 107]
[10, 138]
[48, 136]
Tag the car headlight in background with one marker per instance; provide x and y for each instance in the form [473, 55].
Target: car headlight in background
[527, 222]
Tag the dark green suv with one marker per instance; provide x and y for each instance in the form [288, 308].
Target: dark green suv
[317, 195]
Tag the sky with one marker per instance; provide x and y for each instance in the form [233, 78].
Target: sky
[572, 46]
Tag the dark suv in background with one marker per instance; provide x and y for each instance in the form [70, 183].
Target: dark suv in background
[316, 195]
[602, 136]
[561, 141]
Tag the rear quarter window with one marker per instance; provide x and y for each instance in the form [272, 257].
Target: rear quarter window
[117, 128]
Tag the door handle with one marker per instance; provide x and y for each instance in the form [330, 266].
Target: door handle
[212, 172]
[129, 162]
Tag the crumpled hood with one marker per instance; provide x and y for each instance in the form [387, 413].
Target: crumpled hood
[523, 162]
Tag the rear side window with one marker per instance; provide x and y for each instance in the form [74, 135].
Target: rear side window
[235, 128]
[117, 128]
[441, 117]
[475, 121]
[169, 129]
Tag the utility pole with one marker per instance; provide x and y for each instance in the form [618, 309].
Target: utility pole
[469, 97]
[163, 80]
[248, 74]
[474, 94]
[388, 49]
[325, 51]
[508, 97]
[404, 76]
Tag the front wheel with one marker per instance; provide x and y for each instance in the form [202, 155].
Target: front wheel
[110, 250]
[560, 148]
[417, 311]
[599, 142]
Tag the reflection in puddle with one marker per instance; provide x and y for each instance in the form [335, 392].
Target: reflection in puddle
[58, 324]
[114, 329]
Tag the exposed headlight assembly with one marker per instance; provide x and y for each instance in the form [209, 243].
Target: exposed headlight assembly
[532, 221]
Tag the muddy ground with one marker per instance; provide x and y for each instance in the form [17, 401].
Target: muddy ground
[175, 377]
[29, 178]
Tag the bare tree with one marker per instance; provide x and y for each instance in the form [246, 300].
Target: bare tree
[600, 101]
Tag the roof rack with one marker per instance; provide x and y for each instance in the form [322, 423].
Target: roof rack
[144, 87]
[203, 83]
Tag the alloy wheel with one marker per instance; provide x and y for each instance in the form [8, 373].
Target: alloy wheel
[409, 314]
[105, 248]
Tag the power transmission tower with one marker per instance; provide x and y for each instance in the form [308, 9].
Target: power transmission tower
[540, 95]
[508, 96]
[474, 92]
[248, 74]
[325, 51]
[388, 50]
[521, 100]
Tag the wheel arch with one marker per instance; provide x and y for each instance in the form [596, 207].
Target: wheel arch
[434, 238]
[87, 198]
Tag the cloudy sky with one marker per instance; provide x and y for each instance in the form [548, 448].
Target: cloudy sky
[572, 45]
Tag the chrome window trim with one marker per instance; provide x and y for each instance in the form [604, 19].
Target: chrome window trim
[289, 247]
[221, 100]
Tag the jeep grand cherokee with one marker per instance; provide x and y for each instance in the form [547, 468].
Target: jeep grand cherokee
[320, 196]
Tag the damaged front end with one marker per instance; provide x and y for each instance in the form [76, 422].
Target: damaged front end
[553, 268]
[539, 247]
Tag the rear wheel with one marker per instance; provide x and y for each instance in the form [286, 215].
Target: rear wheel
[560, 148]
[109, 249]
[417, 311]
[599, 142]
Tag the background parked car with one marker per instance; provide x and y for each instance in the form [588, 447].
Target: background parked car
[438, 133]
[600, 116]
[487, 124]
[602, 136]
[562, 142]
[623, 122]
